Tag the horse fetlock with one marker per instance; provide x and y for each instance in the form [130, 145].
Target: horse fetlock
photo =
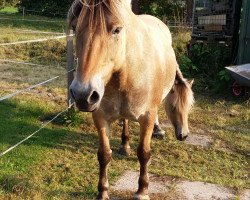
[158, 132]
[103, 196]
[141, 197]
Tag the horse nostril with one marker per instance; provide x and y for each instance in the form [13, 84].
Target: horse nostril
[94, 97]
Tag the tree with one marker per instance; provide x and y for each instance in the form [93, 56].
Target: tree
[164, 9]
[136, 6]
[2, 3]
[189, 6]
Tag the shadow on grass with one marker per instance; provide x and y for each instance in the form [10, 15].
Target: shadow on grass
[17, 122]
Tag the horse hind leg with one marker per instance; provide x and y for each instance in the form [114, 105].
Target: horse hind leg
[125, 147]
[158, 132]
[178, 104]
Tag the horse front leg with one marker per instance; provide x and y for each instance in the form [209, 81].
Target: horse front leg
[125, 148]
[104, 154]
[144, 153]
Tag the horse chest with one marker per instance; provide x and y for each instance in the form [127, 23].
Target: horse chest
[130, 104]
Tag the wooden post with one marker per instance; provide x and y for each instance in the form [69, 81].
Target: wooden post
[23, 12]
[70, 62]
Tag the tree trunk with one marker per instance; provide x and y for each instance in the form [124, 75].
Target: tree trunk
[136, 7]
[189, 5]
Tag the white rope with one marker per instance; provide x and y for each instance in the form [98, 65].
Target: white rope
[31, 87]
[24, 63]
[31, 20]
[33, 31]
[33, 41]
[42, 127]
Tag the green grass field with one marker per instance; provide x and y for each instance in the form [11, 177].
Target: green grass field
[60, 162]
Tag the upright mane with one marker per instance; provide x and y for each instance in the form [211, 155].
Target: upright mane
[73, 14]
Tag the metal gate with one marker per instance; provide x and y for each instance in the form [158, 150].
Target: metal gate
[244, 43]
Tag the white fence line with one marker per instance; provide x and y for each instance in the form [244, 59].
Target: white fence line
[25, 63]
[33, 31]
[70, 71]
[42, 127]
[31, 87]
[30, 20]
[33, 41]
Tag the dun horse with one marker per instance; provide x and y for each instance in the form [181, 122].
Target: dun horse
[127, 67]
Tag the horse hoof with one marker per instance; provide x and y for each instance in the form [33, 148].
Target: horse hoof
[159, 134]
[125, 151]
[103, 196]
[141, 197]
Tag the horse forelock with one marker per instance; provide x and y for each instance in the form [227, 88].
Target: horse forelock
[96, 14]
[94, 22]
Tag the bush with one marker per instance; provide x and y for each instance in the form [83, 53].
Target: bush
[54, 8]
[4, 3]
[164, 9]
[211, 60]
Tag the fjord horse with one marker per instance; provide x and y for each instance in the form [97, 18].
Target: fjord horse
[127, 67]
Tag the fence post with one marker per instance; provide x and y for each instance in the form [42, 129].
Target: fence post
[23, 12]
[70, 62]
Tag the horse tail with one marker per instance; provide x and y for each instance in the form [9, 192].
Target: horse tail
[178, 103]
[181, 96]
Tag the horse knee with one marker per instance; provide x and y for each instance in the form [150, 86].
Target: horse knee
[104, 157]
[143, 155]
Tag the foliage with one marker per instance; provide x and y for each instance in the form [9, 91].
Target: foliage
[164, 9]
[4, 3]
[46, 7]
[212, 59]
[187, 66]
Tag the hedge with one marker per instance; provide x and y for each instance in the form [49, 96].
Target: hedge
[165, 9]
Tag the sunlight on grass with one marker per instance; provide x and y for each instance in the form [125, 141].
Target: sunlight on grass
[9, 10]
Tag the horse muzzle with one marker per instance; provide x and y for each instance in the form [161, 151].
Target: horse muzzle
[87, 97]
[181, 135]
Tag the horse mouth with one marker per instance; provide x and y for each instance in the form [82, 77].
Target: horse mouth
[181, 137]
[84, 107]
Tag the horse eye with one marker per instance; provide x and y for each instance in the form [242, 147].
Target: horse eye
[116, 30]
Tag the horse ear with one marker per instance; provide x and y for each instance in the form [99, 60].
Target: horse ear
[128, 2]
[191, 82]
[74, 13]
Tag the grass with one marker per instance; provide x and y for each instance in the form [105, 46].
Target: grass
[60, 162]
[14, 35]
[17, 20]
[8, 10]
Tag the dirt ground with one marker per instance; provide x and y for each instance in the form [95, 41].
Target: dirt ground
[170, 188]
